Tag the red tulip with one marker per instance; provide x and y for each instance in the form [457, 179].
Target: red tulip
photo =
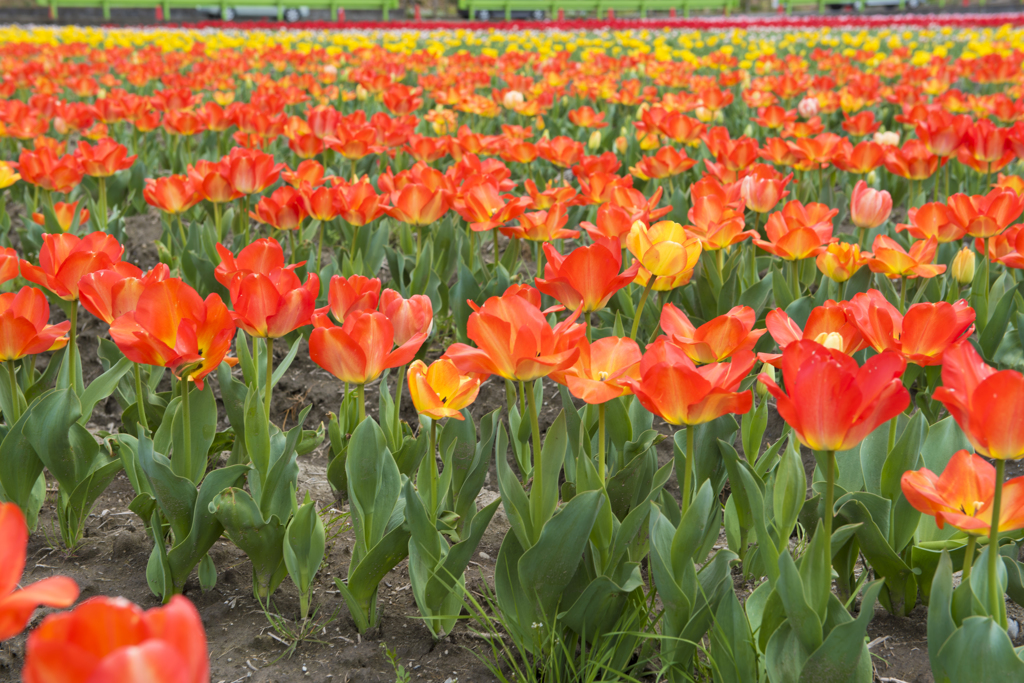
[173, 327]
[104, 159]
[8, 264]
[351, 295]
[715, 340]
[109, 294]
[921, 336]
[833, 404]
[45, 170]
[66, 258]
[172, 194]
[114, 641]
[282, 210]
[273, 304]
[17, 606]
[360, 350]
[211, 182]
[587, 277]
[249, 171]
[798, 231]
[988, 405]
[828, 325]
[263, 256]
[417, 204]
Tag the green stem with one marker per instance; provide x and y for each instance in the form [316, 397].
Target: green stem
[496, 255]
[73, 347]
[903, 295]
[972, 540]
[586, 321]
[640, 306]
[291, 245]
[540, 260]
[600, 444]
[320, 247]
[217, 219]
[522, 399]
[794, 275]
[267, 394]
[102, 182]
[720, 263]
[139, 400]
[433, 470]
[361, 399]
[246, 221]
[421, 231]
[15, 401]
[181, 232]
[830, 493]
[688, 474]
[186, 423]
[472, 247]
[535, 426]
[398, 404]
[996, 604]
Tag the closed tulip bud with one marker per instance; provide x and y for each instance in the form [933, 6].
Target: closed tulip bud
[769, 372]
[748, 131]
[361, 93]
[872, 178]
[621, 144]
[869, 208]
[963, 266]
[704, 115]
[890, 138]
[594, 143]
[808, 107]
[512, 99]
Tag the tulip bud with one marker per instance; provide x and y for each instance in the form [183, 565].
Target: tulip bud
[704, 115]
[621, 144]
[512, 99]
[963, 266]
[890, 138]
[872, 178]
[869, 208]
[748, 131]
[769, 372]
[361, 93]
[644, 106]
[808, 107]
[594, 143]
[539, 123]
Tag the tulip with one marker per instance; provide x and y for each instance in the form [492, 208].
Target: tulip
[17, 606]
[249, 171]
[110, 639]
[410, 317]
[869, 208]
[665, 163]
[832, 404]
[828, 325]
[798, 231]
[9, 263]
[893, 261]
[941, 132]
[440, 391]
[587, 277]
[963, 267]
[860, 159]
[666, 253]
[921, 336]
[761, 194]
[351, 295]
[43, 169]
[841, 260]
[543, 200]
[932, 220]
[171, 194]
[715, 340]
[861, 124]
[211, 182]
[308, 172]
[109, 294]
[480, 204]
[24, 331]
[263, 256]
[985, 216]
[673, 388]
[586, 117]
[913, 161]
[542, 226]
[104, 159]
[715, 225]
[65, 213]
[560, 151]
[321, 203]
[8, 174]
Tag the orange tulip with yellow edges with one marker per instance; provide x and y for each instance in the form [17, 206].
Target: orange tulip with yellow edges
[171, 194]
[64, 212]
[932, 220]
[985, 215]
[104, 159]
[25, 328]
[798, 231]
[17, 606]
[921, 336]
[665, 163]
[113, 640]
[45, 170]
[893, 261]
[482, 205]
[828, 325]
[963, 494]
[603, 371]
[681, 393]
[587, 277]
[665, 249]
[541, 226]
[440, 390]
[308, 172]
[830, 402]
[841, 260]
[359, 203]
[986, 403]
[586, 117]
[715, 340]
[912, 161]
[211, 182]
[417, 204]
[514, 339]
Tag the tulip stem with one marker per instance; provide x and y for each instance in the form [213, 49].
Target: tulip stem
[139, 400]
[433, 470]
[688, 474]
[217, 221]
[181, 231]
[538, 469]
[794, 274]
[996, 605]
[830, 493]
[73, 346]
[291, 245]
[972, 541]
[540, 261]
[320, 247]
[496, 255]
[720, 263]
[398, 405]
[522, 399]
[361, 399]
[903, 295]
[640, 306]
[186, 423]
[586, 321]
[267, 394]
[15, 402]
[600, 444]
[102, 182]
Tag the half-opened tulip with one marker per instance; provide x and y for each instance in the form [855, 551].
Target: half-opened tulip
[716, 225]
[103, 159]
[603, 371]
[360, 350]
[828, 325]
[111, 639]
[985, 215]
[587, 277]
[893, 261]
[869, 208]
[930, 220]
[410, 317]
[109, 294]
[64, 212]
[417, 204]
[17, 606]
[841, 260]
[715, 340]
[350, 295]
[441, 391]
[798, 231]
[66, 258]
[664, 249]
[171, 194]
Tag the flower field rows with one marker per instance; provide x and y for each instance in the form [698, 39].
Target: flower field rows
[668, 238]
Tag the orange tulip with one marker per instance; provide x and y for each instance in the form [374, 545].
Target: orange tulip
[417, 204]
[665, 163]
[25, 328]
[109, 294]
[861, 124]
[104, 159]
[715, 225]
[320, 204]
[860, 159]
[603, 370]
[841, 260]
[173, 327]
[354, 141]
[963, 495]
[828, 325]
[679, 392]
[481, 204]
[798, 231]
[66, 258]
[17, 606]
[360, 350]
[941, 132]
[410, 317]
[893, 261]
[587, 277]
[985, 215]
[514, 339]
[541, 226]
[112, 640]
[358, 204]
[932, 220]
[921, 336]
[249, 171]
[869, 208]
[171, 194]
[211, 182]
[761, 193]
[308, 172]
[586, 117]
[43, 169]
[988, 405]
[64, 212]
[560, 151]
[282, 210]
[833, 404]
[350, 295]
[985, 147]
[613, 222]
[912, 161]
[715, 340]
[440, 391]
[9, 263]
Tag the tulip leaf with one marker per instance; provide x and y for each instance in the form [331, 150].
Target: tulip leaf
[360, 592]
[752, 428]
[992, 334]
[750, 498]
[304, 546]
[257, 433]
[601, 604]
[517, 505]
[980, 651]
[780, 288]
[544, 498]
[20, 471]
[261, 540]
[101, 387]
[74, 508]
[374, 485]
[732, 652]
[286, 362]
[48, 429]
[843, 656]
[789, 490]
[756, 296]
[903, 457]
[801, 616]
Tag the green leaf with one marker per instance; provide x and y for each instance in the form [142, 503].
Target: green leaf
[903, 456]
[789, 490]
[752, 428]
[261, 540]
[102, 387]
[980, 651]
[995, 328]
[802, 618]
[732, 652]
[843, 657]
[304, 547]
[544, 499]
